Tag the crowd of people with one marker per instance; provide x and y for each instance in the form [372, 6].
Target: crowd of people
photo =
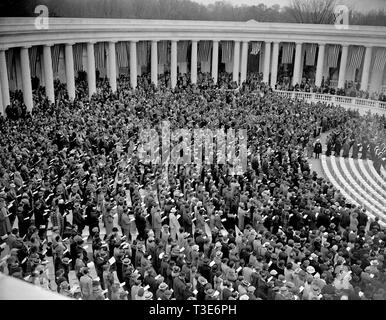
[276, 232]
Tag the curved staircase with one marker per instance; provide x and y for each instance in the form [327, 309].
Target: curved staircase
[359, 183]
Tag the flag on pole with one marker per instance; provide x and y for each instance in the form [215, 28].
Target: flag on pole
[9, 57]
[226, 51]
[182, 51]
[332, 55]
[142, 53]
[162, 52]
[78, 56]
[55, 52]
[204, 50]
[122, 55]
[310, 54]
[99, 53]
[33, 57]
[379, 60]
[288, 52]
[356, 56]
[256, 47]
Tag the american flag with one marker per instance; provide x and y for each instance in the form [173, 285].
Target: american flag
[226, 51]
[182, 51]
[204, 50]
[379, 60]
[163, 52]
[9, 57]
[143, 52]
[310, 53]
[55, 52]
[33, 57]
[78, 56]
[356, 56]
[332, 55]
[122, 55]
[256, 47]
[99, 53]
[288, 52]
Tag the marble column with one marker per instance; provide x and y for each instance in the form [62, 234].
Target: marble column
[112, 67]
[48, 74]
[298, 61]
[366, 68]
[133, 64]
[236, 61]
[274, 65]
[215, 61]
[267, 59]
[26, 78]
[91, 77]
[173, 64]
[194, 62]
[342, 67]
[4, 79]
[320, 65]
[244, 62]
[154, 63]
[70, 77]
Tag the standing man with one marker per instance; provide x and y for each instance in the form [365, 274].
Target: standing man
[318, 148]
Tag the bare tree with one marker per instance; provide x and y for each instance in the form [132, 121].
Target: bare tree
[312, 11]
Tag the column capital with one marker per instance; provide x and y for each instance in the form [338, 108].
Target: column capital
[344, 45]
[4, 48]
[299, 42]
[156, 41]
[174, 40]
[235, 41]
[112, 41]
[70, 43]
[91, 42]
[133, 41]
[369, 46]
[49, 44]
[27, 46]
[268, 41]
[194, 41]
[216, 41]
[321, 44]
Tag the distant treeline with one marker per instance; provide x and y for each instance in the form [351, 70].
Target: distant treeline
[169, 9]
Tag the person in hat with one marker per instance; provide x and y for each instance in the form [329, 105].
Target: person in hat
[174, 223]
[167, 295]
[108, 279]
[251, 293]
[86, 285]
[161, 291]
[96, 291]
[179, 284]
[5, 224]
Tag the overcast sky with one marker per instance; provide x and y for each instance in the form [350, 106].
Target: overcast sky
[361, 5]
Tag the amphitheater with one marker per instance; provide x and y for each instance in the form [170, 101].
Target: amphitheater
[133, 47]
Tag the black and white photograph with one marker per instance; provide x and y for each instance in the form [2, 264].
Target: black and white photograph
[205, 150]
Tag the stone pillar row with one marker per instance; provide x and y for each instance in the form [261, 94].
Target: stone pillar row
[270, 69]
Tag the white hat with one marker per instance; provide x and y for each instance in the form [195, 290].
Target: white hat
[311, 269]
[244, 297]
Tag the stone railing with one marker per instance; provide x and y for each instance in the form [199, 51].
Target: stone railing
[364, 105]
